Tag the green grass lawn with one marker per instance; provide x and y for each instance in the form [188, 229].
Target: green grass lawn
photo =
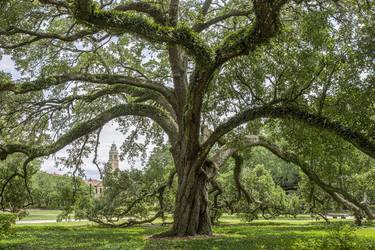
[41, 214]
[230, 234]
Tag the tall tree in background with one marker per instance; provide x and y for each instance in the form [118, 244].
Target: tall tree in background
[200, 73]
[15, 181]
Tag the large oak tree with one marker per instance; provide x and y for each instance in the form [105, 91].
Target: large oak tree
[198, 72]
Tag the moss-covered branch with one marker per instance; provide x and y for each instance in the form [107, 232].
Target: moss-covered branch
[222, 154]
[138, 93]
[122, 22]
[248, 38]
[146, 8]
[158, 192]
[238, 43]
[357, 139]
[338, 194]
[84, 128]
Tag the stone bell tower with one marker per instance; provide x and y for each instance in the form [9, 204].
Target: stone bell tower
[113, 162]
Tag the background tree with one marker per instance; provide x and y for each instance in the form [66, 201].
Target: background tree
[16, 182]
[57, 191]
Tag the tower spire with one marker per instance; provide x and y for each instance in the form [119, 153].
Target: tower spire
[113, 162]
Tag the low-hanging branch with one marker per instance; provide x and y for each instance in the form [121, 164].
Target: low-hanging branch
[357, 139]
[225, 152]
[237, 170]
[339, 195]
[79, 130]
[336, 193]
[23, 176]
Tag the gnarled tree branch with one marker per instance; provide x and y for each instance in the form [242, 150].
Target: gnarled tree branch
[84, 128]
[248, 38]
[115, 20]
[356, 138]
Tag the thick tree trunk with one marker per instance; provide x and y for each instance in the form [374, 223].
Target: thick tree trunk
[191, 215]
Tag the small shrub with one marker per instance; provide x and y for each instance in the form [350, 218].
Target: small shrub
[6, 222]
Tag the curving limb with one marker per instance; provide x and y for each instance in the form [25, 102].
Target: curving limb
[79, 130]
[35, 36]
[109, 79]
[117, 21]
[357, 139]
[241, 42]
[238, 162]
[337, 194]
[8, 180]
[217, 190]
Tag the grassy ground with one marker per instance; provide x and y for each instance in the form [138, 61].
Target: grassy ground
[41, 214]
[230, 234]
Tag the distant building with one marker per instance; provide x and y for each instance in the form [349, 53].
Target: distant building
[113, 161]
[96, 186]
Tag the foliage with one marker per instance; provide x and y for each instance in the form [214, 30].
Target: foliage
[16, 183]
[57, 191]
[283, 173]
[261, 195]
[6, 222]
[135, 194]
[267, 198]
[338, 167]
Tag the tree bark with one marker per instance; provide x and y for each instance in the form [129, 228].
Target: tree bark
[191, 215]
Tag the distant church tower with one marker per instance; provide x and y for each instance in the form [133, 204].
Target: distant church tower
[113, 162]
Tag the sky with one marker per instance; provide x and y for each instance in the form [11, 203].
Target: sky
[109, 135]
